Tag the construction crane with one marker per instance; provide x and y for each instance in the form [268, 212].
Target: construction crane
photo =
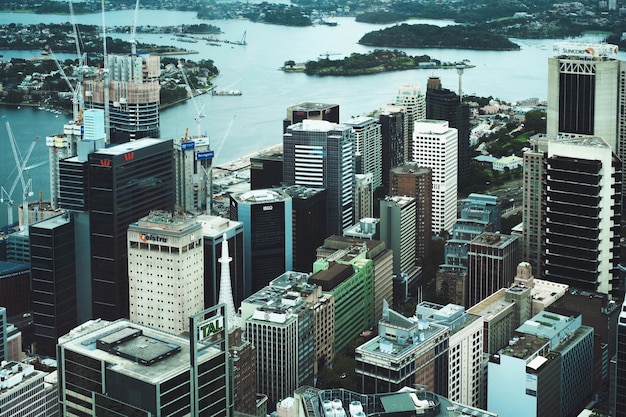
[20, 165]
[199, 114]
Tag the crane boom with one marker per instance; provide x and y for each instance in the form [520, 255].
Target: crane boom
[20, 163]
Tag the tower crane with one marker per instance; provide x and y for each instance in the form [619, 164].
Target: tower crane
[199, 114]
[20, 164]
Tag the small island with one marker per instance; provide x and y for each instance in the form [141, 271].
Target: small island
[376, 61]
[431, 36]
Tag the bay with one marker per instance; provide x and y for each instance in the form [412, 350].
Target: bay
[240, 125]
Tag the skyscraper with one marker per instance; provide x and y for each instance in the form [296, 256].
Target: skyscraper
[412, 180]
[413, 99]
[213, 230]
[124, 368]
[398, 229]
[582, 215]
[393, 127]
[308, 224]
[583, 91]
[193, 158]
[320, 154]
[586, 94]
[165, 271]
[444, 104]
[126, 182]
[132, 96]
[267, 227]
[368, 147]
[312, 111]
[53, 278]
[435, 147]
[363, 196]
[492, 264]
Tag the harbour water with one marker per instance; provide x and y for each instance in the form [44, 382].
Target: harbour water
[239, 125]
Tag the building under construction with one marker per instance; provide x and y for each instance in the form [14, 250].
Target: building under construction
[128, 91]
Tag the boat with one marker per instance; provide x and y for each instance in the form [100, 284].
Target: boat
[226, 92]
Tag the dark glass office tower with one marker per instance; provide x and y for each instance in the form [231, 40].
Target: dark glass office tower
[392, 131]
[127, 181]
[313, 111]
[444, 104]
[53, 278]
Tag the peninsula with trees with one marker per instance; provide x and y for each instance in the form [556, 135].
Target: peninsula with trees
[431, 36]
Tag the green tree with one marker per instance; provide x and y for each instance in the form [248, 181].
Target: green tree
[535, 121]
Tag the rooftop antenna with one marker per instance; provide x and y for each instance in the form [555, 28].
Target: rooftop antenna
[226, 290]
[459, 70]
[133, 32]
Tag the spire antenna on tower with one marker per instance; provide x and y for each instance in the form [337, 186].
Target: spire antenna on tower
[226, 291]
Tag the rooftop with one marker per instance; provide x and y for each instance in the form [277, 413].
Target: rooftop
[493, 239]
[52, 222]
[261, 196]
[492, 305]
[131, 146]
[134, 350]
[308, 106]
[525, 346]
[15, 374]
[164, 220]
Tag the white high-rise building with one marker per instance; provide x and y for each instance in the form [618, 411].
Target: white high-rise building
[413, 99]
[368, 147]
[165, 271]
[435, 147]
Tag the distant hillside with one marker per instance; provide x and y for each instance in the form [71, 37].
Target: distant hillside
[430, 36]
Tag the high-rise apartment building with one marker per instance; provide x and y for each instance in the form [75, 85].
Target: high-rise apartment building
[582, 216]
[435, 146]
[444, 104]
[165, 271]
[193, 158]
[129, 88]
[320, 154]
[412, 180]
[413, 99]
[124, 368]
[125, 182]
[368, 147]
[492, 264]
[533, 200]
[268, 230]
[53, 281]
[311, 111]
